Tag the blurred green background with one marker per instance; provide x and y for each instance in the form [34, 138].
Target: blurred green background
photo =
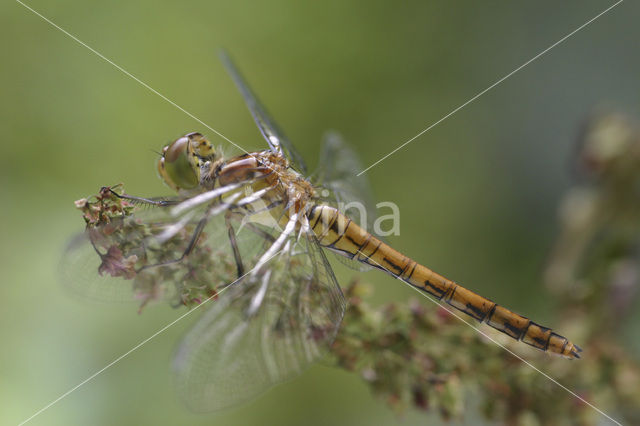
[477, 193]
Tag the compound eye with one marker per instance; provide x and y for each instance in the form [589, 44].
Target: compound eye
[176, 168]
[176, 149]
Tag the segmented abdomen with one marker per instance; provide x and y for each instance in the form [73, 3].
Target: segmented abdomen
[337, 232]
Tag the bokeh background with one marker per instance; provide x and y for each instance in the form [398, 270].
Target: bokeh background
[478, 193]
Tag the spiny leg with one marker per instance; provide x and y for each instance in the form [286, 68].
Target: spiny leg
[234, 244]
[213, 210]
[277, 244]
[142, 200]
[261, 232]
[192, 243]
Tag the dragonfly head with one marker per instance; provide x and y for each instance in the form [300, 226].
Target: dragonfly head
[181, 161]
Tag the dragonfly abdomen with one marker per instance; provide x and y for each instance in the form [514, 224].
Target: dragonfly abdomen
[337, 232]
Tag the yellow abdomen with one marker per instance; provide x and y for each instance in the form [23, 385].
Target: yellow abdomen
[337, 232]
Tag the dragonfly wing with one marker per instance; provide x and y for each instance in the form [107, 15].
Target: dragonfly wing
[337, 170]
[101, 263]
[273, 135]
[266, 329]
[131, 258]
[348, 192]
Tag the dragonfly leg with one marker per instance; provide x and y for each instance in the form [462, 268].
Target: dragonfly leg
[234, 244]
[264, 234]
[192, 243]
[142, 200]
[277, 244]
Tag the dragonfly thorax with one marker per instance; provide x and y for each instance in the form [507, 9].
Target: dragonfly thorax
[267, 169]
[272, 191]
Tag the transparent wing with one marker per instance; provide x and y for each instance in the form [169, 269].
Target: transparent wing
[337, 172]
[263, 330]
[133, 256]
[273, 135]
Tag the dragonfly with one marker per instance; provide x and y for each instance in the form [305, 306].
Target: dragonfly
[250, 232]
